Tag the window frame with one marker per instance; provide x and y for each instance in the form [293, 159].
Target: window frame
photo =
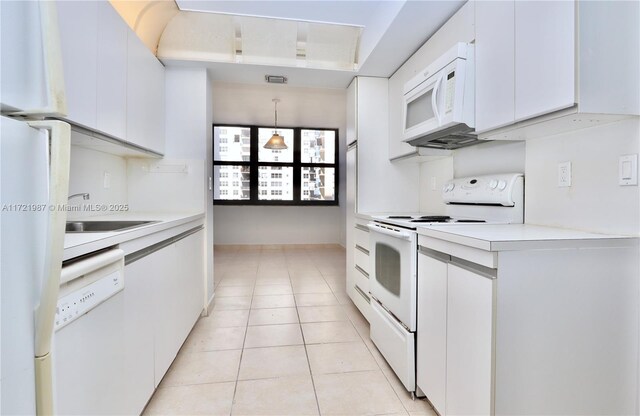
[297, 166]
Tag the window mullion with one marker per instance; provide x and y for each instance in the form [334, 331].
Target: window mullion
[254, 171]
[297, 181]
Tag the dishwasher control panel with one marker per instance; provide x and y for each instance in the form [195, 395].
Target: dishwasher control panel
[75, 304]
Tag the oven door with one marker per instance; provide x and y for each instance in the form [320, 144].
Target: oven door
[393, 264]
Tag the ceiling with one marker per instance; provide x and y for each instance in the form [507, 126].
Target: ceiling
[391, 32]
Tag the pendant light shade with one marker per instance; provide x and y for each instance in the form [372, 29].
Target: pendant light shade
[276, 141]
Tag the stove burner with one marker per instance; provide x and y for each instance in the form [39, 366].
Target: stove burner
[431, 220]
[470, 221]
[399, 217]
[435, 218]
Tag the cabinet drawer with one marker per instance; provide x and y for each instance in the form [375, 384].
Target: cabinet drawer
[362, 302]
[361, 278]
[361, 237]
[361, 256]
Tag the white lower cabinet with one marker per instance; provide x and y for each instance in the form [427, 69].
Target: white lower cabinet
[469, 342]
[431, 358]
[455, 337]
[358, 266]
[164, 297]
[139, 311]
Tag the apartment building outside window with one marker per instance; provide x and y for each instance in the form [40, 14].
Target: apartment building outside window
[303, 174]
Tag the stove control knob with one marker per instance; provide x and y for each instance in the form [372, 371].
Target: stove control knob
[493, 184]
[445, 188]
[451, 186]
[502, 185]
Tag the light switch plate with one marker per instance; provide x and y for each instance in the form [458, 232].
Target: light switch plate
[433, 183]
[106, 180]
[628, 170]
[564, 174]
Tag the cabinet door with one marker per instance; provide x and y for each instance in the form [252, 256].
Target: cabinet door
[145, 96]
[545, 57]
[166, 306]
[469, 342]
[111, 115]
[155, 101]
[78, 25]
[190, 280]
[352, 111]
[352, 180]
[140, 279]
[431, 357]
[495, 64]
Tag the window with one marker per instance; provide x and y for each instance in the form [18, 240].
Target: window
[303, 174]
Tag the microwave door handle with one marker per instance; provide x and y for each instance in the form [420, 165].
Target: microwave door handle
[392, 233]
[434, 98]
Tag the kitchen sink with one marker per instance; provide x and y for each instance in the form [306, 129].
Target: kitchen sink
[102, 226]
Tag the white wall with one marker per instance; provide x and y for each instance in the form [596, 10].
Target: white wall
[594, 202]
[86, 174]
[304, 107]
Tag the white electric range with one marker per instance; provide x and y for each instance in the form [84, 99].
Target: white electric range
[393, 241]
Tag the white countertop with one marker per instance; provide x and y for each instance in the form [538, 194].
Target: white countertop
[77, 244]
[502, 237]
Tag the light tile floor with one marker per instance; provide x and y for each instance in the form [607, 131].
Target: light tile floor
[283, 339]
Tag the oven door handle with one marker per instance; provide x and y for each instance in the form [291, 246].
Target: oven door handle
[390, 232]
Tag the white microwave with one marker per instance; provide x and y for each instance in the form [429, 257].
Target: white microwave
[439, 109]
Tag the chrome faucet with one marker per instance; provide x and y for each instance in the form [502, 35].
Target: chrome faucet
[84, 195]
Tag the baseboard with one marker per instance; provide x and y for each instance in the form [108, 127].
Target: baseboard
[209, 307]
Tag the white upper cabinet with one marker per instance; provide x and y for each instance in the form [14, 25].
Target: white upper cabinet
[549, 60]
[352, 111]
[114, 85]
[111, 105]
[78, 25]
[544, 57]
[145, 96]
[495, 62]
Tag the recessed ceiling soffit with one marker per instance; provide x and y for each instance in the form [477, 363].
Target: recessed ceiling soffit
[215, 37]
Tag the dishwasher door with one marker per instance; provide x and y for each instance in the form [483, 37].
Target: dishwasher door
[89, 341]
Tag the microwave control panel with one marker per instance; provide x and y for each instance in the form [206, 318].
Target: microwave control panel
[449, 92]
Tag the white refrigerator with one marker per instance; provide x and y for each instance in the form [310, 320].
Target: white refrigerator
[34, 177]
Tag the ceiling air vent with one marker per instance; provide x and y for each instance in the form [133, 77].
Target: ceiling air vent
[275, 79]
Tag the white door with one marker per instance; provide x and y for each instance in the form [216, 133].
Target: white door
[545, 57]
[495, 60]
[469, 343]
[431, 357]
[393, 262]
[24, 178]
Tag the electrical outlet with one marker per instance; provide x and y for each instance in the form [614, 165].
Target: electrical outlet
[106, 180]
[564, 174]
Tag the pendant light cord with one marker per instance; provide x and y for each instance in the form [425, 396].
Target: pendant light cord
[276, 115]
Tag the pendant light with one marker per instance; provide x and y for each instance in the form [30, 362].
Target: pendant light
[276, 141]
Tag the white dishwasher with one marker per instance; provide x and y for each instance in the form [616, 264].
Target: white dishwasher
[89, 344]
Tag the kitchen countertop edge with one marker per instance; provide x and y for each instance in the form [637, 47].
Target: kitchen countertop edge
[507, 237]
[78, 244]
